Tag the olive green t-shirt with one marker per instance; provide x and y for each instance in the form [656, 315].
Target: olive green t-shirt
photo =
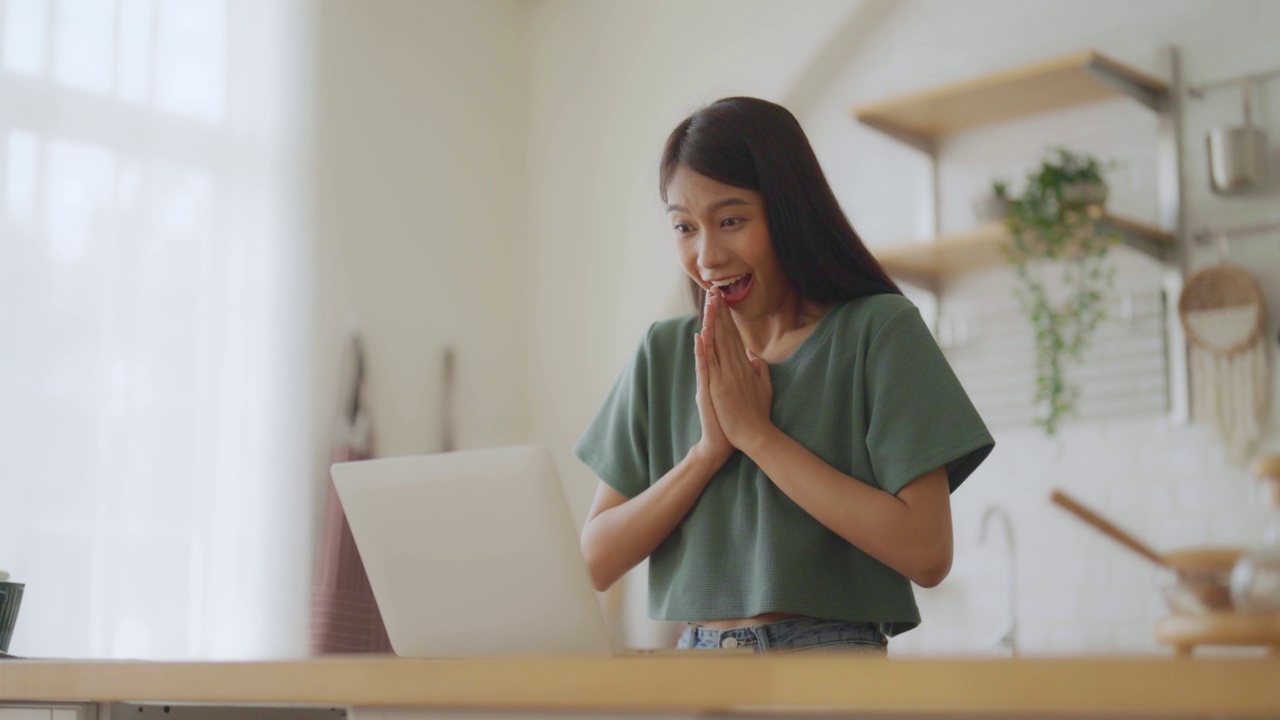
[868, 391]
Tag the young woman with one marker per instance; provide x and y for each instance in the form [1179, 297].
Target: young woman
[785, 456]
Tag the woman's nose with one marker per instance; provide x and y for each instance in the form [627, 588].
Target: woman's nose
[711, 253]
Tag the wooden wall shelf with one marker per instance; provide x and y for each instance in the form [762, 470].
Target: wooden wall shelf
[926, 263]
[923, 118]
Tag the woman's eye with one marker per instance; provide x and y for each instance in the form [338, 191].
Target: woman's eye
[730, 222]
[683, 228]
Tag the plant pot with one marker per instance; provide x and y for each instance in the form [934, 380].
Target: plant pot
[990, 208]
[1082, 194]
[10, 601]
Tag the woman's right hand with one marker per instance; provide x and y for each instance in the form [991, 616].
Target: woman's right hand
[713, 446]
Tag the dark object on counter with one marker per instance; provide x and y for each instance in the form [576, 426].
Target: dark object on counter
[10, 601]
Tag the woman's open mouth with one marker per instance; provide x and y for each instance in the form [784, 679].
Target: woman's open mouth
[737, 291]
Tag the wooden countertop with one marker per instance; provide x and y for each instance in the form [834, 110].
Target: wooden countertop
[680, 683]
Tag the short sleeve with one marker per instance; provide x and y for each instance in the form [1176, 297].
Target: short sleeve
[615, 444]
[918, 415]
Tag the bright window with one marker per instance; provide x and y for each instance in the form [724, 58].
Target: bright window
[153, 453]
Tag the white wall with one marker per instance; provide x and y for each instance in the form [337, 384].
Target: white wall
[420, 128]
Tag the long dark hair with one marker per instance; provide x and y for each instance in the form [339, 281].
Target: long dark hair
[756, 145]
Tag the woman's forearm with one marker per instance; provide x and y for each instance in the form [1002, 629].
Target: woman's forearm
[619, 538]
[914, 541]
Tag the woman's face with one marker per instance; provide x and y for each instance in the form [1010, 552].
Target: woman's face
[722, 238]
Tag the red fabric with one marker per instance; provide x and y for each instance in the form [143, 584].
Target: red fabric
[344, 614]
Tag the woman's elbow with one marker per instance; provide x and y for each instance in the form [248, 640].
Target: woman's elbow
[932, 577]
[935, 567]
[601, 578]
[600, 584]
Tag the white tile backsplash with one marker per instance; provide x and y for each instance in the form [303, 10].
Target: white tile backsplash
[1079, 591]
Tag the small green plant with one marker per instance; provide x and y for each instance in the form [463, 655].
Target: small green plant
[1057, 223]
[1070, 167]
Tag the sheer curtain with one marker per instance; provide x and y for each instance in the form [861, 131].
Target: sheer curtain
[154, 265]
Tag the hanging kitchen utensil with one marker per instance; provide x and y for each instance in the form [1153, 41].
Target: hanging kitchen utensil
[1223, 313]
[1106, 527]
[1238, 156]
[1192, 580]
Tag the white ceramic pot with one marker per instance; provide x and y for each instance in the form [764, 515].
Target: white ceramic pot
[1080, 194]
[990, 208]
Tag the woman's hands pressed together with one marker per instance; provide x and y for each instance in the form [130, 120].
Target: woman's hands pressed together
[713, 446]
[735, 392]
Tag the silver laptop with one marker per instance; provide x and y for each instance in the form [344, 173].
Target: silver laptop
[472, 554]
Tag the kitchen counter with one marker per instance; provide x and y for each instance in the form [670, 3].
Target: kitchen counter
[677, 684]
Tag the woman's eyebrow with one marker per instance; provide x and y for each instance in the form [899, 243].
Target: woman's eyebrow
[727, 202]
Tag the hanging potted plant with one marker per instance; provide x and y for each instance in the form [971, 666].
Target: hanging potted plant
[992, 206]
[1059, 253]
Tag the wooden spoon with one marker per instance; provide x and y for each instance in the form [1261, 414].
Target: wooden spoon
[1075, 508]
[1204, 572]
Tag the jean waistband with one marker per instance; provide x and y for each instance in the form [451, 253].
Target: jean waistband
[781, 632]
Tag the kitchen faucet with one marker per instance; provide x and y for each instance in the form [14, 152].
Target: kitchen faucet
[1006, 636]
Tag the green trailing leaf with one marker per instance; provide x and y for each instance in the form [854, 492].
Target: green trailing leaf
[1052, 228]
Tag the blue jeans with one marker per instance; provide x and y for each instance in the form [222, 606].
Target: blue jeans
[791, 635]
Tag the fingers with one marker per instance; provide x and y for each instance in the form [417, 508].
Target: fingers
[721, 327]
[728, 343]
[708, 334]
[716, 329]
[701, 363]
[730, 327]
[708, 314]
[762, 370]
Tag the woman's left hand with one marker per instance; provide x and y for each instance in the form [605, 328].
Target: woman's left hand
[741, 389]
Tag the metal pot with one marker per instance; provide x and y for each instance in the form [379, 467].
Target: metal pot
[1238, 156]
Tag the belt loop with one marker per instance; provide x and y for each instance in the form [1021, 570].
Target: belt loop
[762, 639]
[711, 634]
